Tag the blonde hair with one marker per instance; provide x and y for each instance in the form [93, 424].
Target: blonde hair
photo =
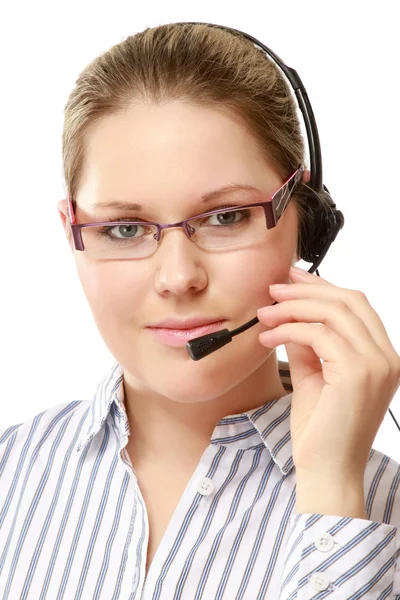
[207, 66]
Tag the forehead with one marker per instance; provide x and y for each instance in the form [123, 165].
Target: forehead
[178, 150]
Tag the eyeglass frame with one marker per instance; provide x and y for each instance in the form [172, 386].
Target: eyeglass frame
[274, 208]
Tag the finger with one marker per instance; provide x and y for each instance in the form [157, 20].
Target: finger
[327, 345]
[300, 275]
[337, 316]
[303, 363]
[354, 299]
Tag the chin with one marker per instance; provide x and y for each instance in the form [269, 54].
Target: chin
[199, 385]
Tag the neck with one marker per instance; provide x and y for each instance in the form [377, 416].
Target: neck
[173, 432]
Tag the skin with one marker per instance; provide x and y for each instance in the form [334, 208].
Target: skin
[165, 157]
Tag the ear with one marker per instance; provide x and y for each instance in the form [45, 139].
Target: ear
[63, 212]
[306, 176]
[62, 209]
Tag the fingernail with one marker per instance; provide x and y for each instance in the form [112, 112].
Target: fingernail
[299, 271]
[264, 309]
[278, 286]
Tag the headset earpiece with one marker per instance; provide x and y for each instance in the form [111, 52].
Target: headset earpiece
[323, 226]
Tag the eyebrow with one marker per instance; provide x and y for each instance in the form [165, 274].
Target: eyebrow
[121, 205]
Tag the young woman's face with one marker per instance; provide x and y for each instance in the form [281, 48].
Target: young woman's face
[165, 158]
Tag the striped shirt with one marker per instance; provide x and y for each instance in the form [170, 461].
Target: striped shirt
[74, 525]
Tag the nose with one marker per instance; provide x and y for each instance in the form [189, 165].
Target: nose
[179, 269]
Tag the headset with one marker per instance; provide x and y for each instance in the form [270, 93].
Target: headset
[327, 220]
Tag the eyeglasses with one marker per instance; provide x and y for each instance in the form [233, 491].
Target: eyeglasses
[229, 227]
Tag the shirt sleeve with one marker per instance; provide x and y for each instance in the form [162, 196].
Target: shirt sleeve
[340, 557]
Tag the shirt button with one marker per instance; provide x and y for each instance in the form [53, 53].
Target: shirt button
[324, 542]
[319, 582]
[206, 486]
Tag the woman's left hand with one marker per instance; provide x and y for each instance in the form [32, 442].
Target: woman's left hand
[337, 405]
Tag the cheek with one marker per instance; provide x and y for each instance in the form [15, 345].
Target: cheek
[111, 289]
[247, 278]
[251, 271]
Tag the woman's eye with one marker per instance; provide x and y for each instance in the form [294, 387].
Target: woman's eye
[128, 231]
[226, 218]
[123, 231]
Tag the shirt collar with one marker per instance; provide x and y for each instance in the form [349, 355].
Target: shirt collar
[267, 425]
[108, 401]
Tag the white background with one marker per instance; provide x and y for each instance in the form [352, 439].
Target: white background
[346, 54]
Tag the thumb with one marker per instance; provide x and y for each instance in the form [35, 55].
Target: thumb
[303, 362]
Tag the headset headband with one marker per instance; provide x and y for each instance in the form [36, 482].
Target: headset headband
[302, 99]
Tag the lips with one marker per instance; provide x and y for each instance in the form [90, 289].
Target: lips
[171, 335]
[188, 323]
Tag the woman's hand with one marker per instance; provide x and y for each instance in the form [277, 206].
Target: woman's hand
[337, 405]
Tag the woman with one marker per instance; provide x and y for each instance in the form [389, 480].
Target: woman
[207, 479]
